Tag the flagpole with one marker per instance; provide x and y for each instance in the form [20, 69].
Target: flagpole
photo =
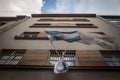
[55, 49]
[52, 42]
[63, 53]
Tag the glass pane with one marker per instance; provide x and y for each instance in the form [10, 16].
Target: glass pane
[108, 59]
[111, 63]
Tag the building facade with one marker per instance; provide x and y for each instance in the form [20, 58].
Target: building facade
[26, 45]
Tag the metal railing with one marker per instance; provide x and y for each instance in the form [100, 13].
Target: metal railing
[69, 57]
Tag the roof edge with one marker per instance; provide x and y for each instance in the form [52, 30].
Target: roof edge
[63, 15]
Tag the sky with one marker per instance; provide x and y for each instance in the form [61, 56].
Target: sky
[20, 7]
[28, 7]
[100, 7]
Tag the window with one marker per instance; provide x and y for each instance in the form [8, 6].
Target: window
[69, 57]
[113, 19]
[63, 25]
[65, 19]
[86, 26]
[45, 20]
[32, 36]
[102, 33]
[11, 57]
[39, 25]
[112, 57]
[86, 20]
[2, 23]
[42, 24]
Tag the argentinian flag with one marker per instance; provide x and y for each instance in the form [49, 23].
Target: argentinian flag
[66, 36]
[61, 66]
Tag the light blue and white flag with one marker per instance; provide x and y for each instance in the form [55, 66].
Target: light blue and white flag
[104, 41]
[61, 67]
[73, 36]
[66, 36]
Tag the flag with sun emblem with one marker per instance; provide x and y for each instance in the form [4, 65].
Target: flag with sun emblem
[66, 36]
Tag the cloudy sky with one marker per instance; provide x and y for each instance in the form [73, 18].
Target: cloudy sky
[19, 7]
[111, 7]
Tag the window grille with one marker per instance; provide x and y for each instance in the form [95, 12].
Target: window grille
[11, 57]
[112, 58]
[69, 57]
[32, 36]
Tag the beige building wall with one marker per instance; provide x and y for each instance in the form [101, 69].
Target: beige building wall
[7, 40]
